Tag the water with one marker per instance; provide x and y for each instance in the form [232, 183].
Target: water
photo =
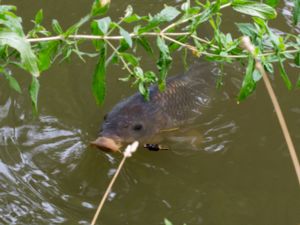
[241, 174]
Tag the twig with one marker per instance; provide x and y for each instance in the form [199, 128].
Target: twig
[248, 45]
[117, 52]
[99, 37]
[195, 50]
[127, 153]
[167, 35]
[190, 47]
[203, 41]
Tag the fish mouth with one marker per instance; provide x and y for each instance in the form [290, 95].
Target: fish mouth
[106, 144]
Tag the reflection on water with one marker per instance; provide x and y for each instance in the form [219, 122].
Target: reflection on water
[5, 109]
[29, 159]
[287, 12]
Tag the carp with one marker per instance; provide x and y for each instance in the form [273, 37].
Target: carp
[135, 119]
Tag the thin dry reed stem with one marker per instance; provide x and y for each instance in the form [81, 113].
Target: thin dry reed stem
[248, 46]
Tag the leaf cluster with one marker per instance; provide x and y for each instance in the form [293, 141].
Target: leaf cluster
[160, 35]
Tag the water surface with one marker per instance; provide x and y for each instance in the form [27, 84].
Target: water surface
[240, 175]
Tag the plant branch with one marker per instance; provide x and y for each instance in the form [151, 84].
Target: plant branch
[172, 25]
[98, 37]
[117, 52]
[167, 36]
[195, 50]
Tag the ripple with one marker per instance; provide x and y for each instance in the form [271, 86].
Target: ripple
[87, 205]
[28, 189]
[211, 134]
[217, 136]
[287, 12]
[5, 109]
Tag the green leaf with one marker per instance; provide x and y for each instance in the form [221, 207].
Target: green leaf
[174, 46]
[98, 83]
[247, 29]
[126, 36]
[162, 45]
[56, 27]
[74, 28]
[96, 31]
[284, 75]
[150, 76]
[39, 17]
[128, 11]
[298, 82]
[125, 79]
[139, 72]
[132, 18]
[184, 59]
[248, 85]
[275, 39]
[203, 16]
[140, 80]
[28, 58]
[123, 45]
[103, 24]
[100, 7]
[297, 59]
[145, 44]
[256, 9]
[34, 91]
[13, 83]
[296, 12]
[268, 67]
[186, 6]
[46, 54]
[163, 63]
[167, 222]
[272, 3]
[9, 21]
[130, 59]
[256, 75]
[7, 8]
[166, 15]
[143, 89]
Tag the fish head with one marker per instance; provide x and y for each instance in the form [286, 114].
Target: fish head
[132, 120]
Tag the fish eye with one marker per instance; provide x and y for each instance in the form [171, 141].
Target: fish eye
[137, 127]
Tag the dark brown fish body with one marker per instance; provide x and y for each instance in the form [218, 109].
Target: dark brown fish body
[184, 99]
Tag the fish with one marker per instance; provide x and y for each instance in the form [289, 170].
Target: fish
[184, 99]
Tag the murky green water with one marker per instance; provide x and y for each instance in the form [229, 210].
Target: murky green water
[241, 174]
